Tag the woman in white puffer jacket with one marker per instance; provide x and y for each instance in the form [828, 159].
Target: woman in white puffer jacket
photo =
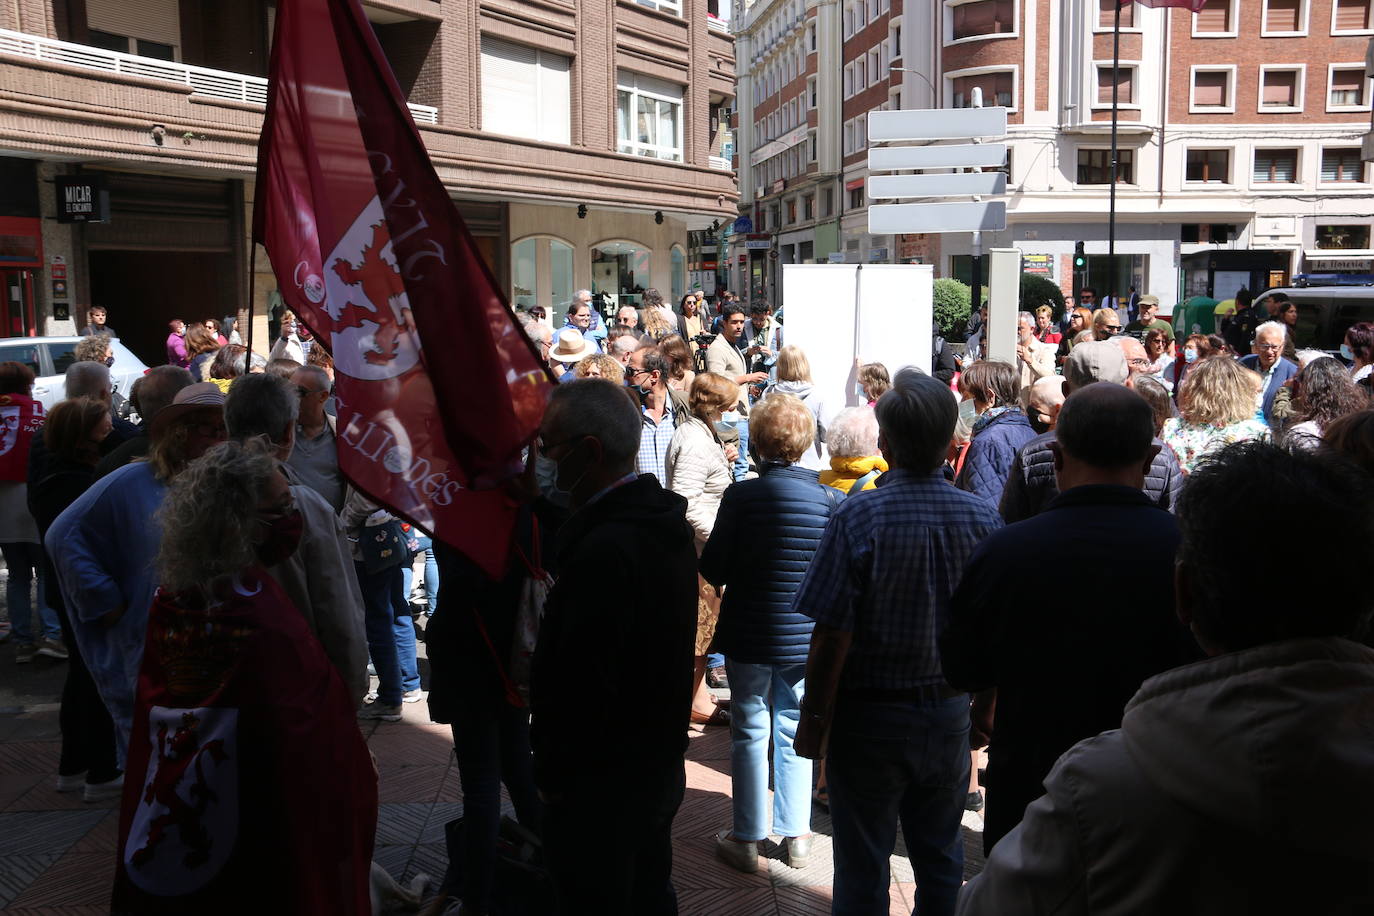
[698, 469]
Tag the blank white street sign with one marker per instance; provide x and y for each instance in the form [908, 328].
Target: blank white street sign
[954, 156]
[884, 187]
[972, 216]
[937, 124]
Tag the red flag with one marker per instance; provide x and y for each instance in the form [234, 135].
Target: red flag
[438, 388]
[1193, 5]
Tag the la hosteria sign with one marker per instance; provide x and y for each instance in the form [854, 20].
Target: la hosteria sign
[82, 199]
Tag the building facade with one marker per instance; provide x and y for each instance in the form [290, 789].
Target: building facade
[581, 139]
[1239, 134]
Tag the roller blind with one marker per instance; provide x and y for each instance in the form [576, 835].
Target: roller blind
[1352, 15]
[151, 20]
[1209, 88]
[1104, 85]
[525, 92]
[1280, 88]
[1276, 165]
[1214, 17]
[1283, 16]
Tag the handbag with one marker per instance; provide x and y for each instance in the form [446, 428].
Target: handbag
[383, 546]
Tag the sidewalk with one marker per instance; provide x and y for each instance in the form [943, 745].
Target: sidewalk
[57, 853]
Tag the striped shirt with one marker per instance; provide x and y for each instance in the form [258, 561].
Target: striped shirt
[884, 571]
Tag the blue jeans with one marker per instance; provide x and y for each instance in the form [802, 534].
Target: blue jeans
[403, 629]
[379, 623]
[431, 575]
[753, 690]
[25, 563]
[742, 462]
[891, 760]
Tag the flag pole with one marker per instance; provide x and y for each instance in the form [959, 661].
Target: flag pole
[1116, 89]
[252, 272]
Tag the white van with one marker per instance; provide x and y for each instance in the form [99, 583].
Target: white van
[1326, 312]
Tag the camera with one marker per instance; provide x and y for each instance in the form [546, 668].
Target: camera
[704, 340]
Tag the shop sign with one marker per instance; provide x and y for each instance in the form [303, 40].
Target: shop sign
[1350, 264]
[1041, 265]
[758, 244]
[744, 224]
[82, 199]
[877, 255]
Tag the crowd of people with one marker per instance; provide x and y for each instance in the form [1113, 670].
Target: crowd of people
[868, 579]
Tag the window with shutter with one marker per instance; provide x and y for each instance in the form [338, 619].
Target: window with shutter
[1347, 88]
[997, 89]
[1125, 81]
[1276, 166]
[1352, 15]
[155, 22]
[1278, 89]
[1095, 166]
[1342, 165]
[1214, 17]
[1283, 15]
[526, 92]
[1210, 88]
[1106, 14]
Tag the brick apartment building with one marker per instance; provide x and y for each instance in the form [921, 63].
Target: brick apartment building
[1239, 134]
[581, 140]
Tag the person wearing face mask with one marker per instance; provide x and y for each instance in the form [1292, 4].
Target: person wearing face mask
[308, 553]
[1196, 347]
[1358, 349]
[591, 432]
[663, 409]
[1045, 400]
[237, 693]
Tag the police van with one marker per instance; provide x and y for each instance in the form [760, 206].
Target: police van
[1325, 313]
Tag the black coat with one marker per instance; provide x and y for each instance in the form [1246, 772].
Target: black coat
[1064, 652]
[626, 593]
[765, 535]
[1032, 484]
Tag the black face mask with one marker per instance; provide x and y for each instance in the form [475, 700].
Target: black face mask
[1037, 424]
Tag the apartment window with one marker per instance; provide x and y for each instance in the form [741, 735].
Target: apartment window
[997, 86]
[1210, 165]
[1342, 165]
[811, 38]
[1280, 89]
[1276, 166]
[673, 7]
[126, 45]
[792, 211]
[856, 199]
[981, 18]
[861, 134]
[1125, 80]
[1347, 88]
[1095, 166]
[525, 92]
[648, 116]
[1216, 19]
[149, 28]
[1339, 237]
[811, 146]
[861, 74]
[1212, 90]
[811, 93]
[809, 206]
[1350, 16]
[827, 201]
[1284, 17]
[895, 37]
[1106, 14]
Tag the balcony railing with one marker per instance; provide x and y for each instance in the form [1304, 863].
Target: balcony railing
[717, 25]
[720, 162]
[216, 84]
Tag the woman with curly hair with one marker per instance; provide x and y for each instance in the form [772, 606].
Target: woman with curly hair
[1324, 393]
[234, 684]
[656, 323]
[1216, 409]
[599, 365]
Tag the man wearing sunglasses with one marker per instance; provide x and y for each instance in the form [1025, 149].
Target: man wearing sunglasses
[663, 408]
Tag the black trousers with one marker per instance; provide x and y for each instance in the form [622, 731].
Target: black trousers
[88, 735]
[610, 849]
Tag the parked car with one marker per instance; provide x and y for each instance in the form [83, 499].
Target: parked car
[49, 358]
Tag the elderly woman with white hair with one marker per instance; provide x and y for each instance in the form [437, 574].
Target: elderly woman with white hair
[852, 439]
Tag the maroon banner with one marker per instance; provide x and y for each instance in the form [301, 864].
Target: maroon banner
[20, 417]
[438, 388]
[1193, 5]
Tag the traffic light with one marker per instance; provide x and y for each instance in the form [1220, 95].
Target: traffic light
[1080, 260]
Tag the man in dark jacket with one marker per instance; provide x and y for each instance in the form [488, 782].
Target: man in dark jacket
[607, 817]
[1239, 328]
[1065, 660]
[1031, 485]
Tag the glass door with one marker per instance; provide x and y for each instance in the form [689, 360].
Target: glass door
[16, 304]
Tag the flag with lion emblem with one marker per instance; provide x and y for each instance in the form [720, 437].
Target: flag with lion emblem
[437, 387]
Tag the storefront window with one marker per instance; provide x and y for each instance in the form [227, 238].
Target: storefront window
[524, 274]
[621, 270]
[679, 273]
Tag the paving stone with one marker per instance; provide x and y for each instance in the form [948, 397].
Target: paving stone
[41, 832]
[17, 872]
[76, 879]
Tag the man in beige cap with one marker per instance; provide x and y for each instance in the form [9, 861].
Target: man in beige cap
[104, 547]
[1149, 309]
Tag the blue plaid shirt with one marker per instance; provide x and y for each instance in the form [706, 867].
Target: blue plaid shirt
[884, 571]
[653, 443]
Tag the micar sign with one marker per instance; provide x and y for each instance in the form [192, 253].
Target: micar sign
[82, 199]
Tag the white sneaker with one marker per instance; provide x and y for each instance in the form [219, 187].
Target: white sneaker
[105, 790]
[52, 648]
[71, 783]
[412, 696]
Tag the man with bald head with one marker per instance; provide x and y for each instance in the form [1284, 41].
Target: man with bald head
[1046, 398]
[1065, 659]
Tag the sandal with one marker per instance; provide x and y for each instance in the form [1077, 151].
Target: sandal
[719, 716]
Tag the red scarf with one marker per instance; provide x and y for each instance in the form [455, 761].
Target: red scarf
[20, 417]
[248, 785]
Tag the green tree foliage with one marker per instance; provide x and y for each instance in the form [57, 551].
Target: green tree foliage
[1037, 291]
[952, 303]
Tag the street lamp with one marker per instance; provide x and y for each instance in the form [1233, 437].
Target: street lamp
[934, 94]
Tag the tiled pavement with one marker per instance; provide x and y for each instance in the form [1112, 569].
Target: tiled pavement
[57, 853]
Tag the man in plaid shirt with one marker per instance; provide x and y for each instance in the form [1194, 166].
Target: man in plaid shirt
[879, 590]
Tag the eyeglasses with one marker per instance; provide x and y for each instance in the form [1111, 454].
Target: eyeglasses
[1111, 327]
[631, 371]
[1267, 347]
